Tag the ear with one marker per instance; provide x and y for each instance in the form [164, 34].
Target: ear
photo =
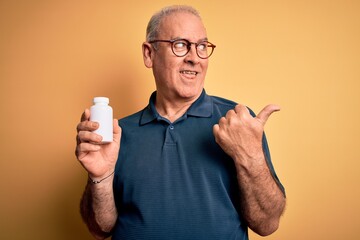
[147, 54]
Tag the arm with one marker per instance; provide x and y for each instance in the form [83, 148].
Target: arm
[262, 201]
[240, 136]
[97, 208]
[97, 205]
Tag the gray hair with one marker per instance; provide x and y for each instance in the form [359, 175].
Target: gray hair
[152, 29]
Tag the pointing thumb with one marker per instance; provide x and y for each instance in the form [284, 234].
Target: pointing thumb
[265, 113]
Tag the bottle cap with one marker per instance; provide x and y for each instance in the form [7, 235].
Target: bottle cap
[101, 100]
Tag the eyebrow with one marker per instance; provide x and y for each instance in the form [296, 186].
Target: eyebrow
[179, 38]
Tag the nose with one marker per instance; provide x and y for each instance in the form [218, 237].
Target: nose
[191, 57]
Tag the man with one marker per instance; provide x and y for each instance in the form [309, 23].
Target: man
[188, 166]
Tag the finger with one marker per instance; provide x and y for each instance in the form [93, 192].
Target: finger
[240, 109]
[265, 113]
[216, 129]
[87, 147]
[117, 130]
[230, 113]
[84, 148]
[86, 115]
[86, 136]
[222, 122]
[116, 127]
[87, 126]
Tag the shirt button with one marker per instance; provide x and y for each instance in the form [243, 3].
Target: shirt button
[171, 127]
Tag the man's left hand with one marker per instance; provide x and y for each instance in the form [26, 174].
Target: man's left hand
[239, 134]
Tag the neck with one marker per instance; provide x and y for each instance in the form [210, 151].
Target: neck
[172, 109]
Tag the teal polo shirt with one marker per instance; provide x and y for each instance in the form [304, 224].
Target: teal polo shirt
[173, 181]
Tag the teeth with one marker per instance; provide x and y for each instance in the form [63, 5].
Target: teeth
[188, 72]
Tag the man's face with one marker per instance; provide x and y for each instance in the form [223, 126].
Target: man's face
[179, 78]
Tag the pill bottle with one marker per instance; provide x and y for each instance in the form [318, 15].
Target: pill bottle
[102, 113]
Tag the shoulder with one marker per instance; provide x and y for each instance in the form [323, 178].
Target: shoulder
[222, 104]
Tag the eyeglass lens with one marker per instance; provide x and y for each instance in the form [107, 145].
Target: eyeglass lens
[182, 47]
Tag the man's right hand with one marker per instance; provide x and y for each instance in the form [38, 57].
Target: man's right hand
[98, 159]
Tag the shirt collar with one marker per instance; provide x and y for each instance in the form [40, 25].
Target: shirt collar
[202, 107]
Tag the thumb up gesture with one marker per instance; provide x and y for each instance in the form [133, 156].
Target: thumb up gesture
[239, 134]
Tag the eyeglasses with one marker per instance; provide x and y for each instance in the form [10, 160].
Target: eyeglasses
[181, 47]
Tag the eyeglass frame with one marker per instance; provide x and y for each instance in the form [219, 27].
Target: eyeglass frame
[188, 45]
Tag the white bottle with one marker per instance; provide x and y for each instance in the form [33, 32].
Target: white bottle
[102, 113]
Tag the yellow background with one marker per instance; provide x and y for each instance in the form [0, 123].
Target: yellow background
[55, 56]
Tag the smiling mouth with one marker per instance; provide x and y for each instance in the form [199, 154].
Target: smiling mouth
[189, 72]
